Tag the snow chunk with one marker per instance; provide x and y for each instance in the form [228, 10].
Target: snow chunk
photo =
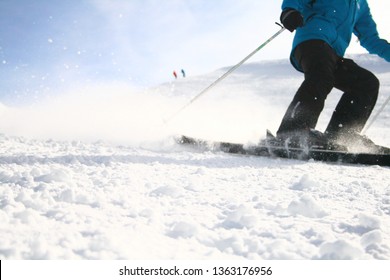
[39, 249]
[240, 218]
[4, 219]
[27, 216]
[67, 195]
[371, 238]
[183, 229]
[166, 191]
[340, 250]
[56, 175]
[306, 206]
[146, 213]
[306, 182]
[369, 222]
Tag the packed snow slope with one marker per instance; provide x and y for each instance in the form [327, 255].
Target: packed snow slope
[95, 174]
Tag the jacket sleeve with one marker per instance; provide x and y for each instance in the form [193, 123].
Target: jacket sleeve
[294, 4]
[365, 29]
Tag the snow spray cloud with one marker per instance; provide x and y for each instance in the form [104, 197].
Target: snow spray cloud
[126, 115]
[116, 114]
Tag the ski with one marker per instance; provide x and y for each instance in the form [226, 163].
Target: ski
[267, 149]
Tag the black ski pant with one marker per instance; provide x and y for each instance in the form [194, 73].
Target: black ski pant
[325, 70]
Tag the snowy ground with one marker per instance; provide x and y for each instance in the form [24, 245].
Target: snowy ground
[94, 174]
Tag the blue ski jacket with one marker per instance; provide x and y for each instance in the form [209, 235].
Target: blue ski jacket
[334, 21]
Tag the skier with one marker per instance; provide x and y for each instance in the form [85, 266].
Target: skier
[175, 74]
[183, 73]
[323, 32]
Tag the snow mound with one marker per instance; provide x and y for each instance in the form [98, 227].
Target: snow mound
[306, 206]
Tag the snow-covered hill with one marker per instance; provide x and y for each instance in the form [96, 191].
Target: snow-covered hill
[94, 174]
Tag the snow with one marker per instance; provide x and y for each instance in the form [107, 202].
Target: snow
[95, 174]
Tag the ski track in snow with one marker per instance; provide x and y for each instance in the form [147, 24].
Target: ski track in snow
[110, 194]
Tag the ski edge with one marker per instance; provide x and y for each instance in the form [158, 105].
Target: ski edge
[342, 157]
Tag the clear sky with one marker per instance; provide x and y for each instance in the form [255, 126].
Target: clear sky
[49, 43]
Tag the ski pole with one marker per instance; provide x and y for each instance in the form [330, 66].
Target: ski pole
[376, 115]
[227, 73]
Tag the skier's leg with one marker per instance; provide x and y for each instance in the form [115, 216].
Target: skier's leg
[360, 88]
[318, 61]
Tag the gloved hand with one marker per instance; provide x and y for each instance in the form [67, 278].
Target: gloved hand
[291, 19]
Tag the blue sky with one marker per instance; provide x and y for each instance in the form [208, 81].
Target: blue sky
[50, 45]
